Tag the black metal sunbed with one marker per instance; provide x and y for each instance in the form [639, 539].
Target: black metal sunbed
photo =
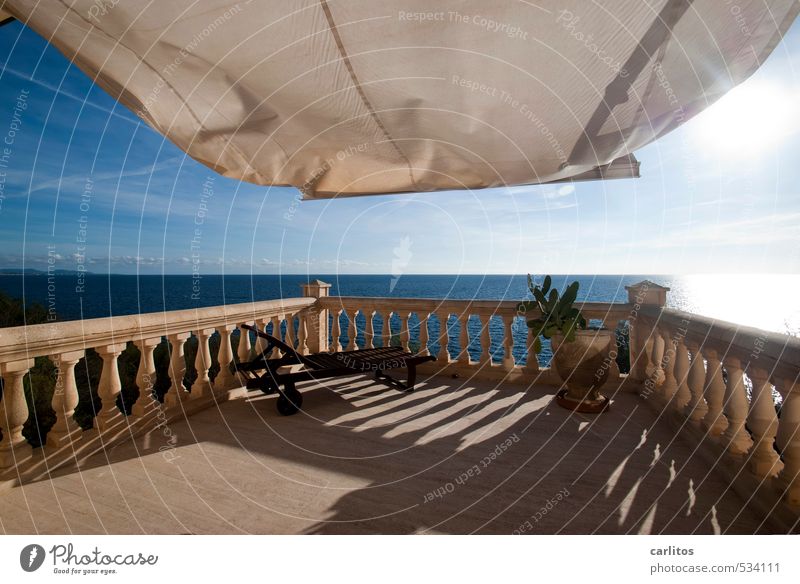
[263, 373]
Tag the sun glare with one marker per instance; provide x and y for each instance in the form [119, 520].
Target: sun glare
[750, 120]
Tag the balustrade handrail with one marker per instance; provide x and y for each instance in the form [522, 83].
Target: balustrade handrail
[453, 306]
[774, 352]
[25, 342]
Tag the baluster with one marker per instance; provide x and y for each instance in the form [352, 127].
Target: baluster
[261, 342]
[336, 331]
[14, 413]
[302, 334]
[225, 379]
[714, 421]
[532, 358]
[276, 332]
[109, 387]
[647, 355]
[65, 399]
[789, 430]
[146, 378]
[404, 332]
[613, 353]
[763, 423]
[244, 348]
[696, 409]
[735, 408]
[486, 343]
[463, 340]
[177, 370]
[202, 363]
[670, 385]
[290, 336]
[386, 333]
[369, 329]
[655, 370]
[352, 330]
[508, 342]
[444, 338]
[423, 333]
[682, 394]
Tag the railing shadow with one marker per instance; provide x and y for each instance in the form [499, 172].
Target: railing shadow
[458, 457]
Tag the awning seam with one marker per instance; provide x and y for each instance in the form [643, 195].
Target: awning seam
[354, 78]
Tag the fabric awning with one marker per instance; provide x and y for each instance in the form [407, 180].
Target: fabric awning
[343, 98]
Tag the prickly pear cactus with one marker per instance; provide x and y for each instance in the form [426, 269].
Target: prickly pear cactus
[557, 311]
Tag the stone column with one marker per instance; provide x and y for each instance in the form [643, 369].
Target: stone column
[508, 342]
[202, 363]
[109, 388]
[642, 294]
[735, 409]
[790, 430]
[352, 329]
[244, 348]
[683, 395]
[369, 328]
[386, 331]
[336, 331]
[486, 342]
[423, 333]
[532, 358]
[65, 400]
[443, 355]
[302, 335]
[177, 370]
[276, 332]
[225, 379]
[670, 386]
[261, 342]
[14, 449]
[463, 340]
[405, 334]
[714, 420]
[316, 318]
[696, 409]
[146, 378]
[763, 422]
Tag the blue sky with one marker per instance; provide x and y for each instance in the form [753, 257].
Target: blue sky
[718, 195]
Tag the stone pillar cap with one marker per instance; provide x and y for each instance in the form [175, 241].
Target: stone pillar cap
[647, 284]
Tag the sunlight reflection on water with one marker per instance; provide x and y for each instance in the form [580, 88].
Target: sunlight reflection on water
[766, 301]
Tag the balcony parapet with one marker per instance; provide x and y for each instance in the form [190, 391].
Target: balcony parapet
[487, 339]
[66, 344]
[733, 392]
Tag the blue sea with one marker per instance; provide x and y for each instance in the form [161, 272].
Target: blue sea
[719, 296]
[726, 297]
[107, 295]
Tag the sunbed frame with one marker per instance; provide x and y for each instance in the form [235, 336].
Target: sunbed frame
[262, 372]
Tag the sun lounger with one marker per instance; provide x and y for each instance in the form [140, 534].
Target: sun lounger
[264, 373]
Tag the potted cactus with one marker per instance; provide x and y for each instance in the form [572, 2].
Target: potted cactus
[580, 354]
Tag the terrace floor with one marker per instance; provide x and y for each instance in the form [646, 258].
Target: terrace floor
[364, 458]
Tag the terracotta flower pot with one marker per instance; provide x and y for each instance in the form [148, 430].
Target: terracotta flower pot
[583, 366]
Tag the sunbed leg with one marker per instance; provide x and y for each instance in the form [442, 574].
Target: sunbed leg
[290, 400]
[412, 377]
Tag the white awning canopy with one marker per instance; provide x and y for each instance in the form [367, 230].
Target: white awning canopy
[343, 98]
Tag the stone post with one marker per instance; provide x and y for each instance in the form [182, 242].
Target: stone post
[14, 448]
[316, 318]
[645, 293]
[65, 399]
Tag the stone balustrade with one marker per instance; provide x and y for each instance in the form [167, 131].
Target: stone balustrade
[484, 338]
[66, 345]
[733, 390]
